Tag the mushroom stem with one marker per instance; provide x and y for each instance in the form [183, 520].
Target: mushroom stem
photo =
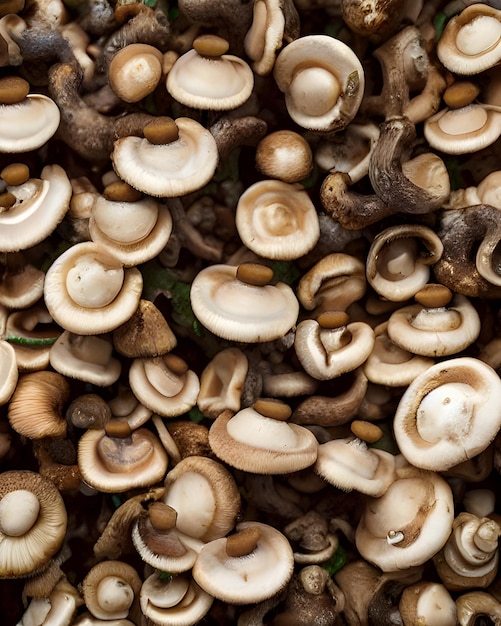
[233, 133]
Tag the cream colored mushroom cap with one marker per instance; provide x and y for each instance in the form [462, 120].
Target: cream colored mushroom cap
[219, 83]
[171, 169]
[471, 40]
[323, 81]
[262, 445]
[87, 291]
[250, 578]
[237, 311]
[277, 220]
[265, 35]
[449, 413]
[40, 205]
[29, 124]
[8, 371]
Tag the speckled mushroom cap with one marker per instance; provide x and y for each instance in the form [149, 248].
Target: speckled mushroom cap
[471, 40]
[87, 290]
[235, 309]
[32, 522]
[41, 203]
[170, 169]
[409, 523]
[277, 220]
[449, 413]
[323, 81]
[207, 78]
[252, 577]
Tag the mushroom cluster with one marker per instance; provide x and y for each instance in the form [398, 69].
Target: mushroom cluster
[250, 268]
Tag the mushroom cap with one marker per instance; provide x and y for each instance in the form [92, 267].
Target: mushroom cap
[110, 589]
[32, 522]
[350, 464]
[216, 83]
[284, 155]
[135, 71]
[234, 310]
[277, 220]
[8, 371]
[117, 464]
[323, 81]
[265, 35]
[29, 124]
[170, 169]
[409, 523]
[471, 40]
[21, 288]
[134, 232]
[87, 291]
[449, 413]
[40, 205]
[255, 443]
[253, 577]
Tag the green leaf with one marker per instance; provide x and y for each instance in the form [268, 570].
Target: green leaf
[336, 562]
[32, 342]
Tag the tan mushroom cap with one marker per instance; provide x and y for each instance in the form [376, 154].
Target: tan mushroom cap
[409, 523]
[259, 444]
[284, 155]
[21, 287]
[117, 464]
[164, 384]
[87, 291]
[173, 600]
[219, 82]
[110, 589]
[239, 311]
[85, 357]
[350, 464]
[135, 71]
[429, 603]
[29, 124]
[323, 81]
[277, 220]
[435, 331]
[32, 522]
[40, 204]
[134, 232]
[170, 169]
[253, 577]
[471, 40]
[449, 413]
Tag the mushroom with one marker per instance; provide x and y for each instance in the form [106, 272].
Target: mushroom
[135, 71]
[409, 523]
[429, 603]
[126, 406]
[259, 440]
[173, 158]
[475, 604]
[239, 303]
[87, 290]
[8, 371]
[448, 414]
[21, 285]
[32, 522]
[331, 75]
[470, 556]
[206, 77]
[251, 565]
[284, 155]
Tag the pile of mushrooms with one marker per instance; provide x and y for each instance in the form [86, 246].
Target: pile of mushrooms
[250, 265]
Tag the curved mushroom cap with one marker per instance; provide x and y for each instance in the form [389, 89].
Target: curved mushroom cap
[471, 40]
[164, 384]
[257, 571]
[428, 603]
[326, 352]
[409, 523]
[399, 260]
[205, 496]
[29, 124]
[170, 169]
[207, 78]
[277, 220]
[256, 443]
[110, 589]
[8, 371]
[173, 600]
[134, 232]
[87, 291]
[350, 464]
[265, 35]
[32, 522]
[135, 71]
[449, 413]
[21, 287]
[117, 464]
[230, 306]
[323, 81]
[85, 357]
[435, 330]
[40, 204]
[467, 129]
[284, 155]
